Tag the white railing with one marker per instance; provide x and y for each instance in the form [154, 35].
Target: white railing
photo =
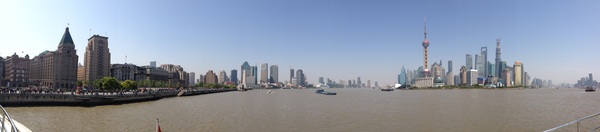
[7, 123]
[575, 122]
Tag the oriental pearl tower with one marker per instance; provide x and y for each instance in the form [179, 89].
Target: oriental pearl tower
[425, 45]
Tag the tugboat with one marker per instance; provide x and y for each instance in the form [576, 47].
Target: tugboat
[590, 89]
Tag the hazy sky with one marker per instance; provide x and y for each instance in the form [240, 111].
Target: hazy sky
[338, 39]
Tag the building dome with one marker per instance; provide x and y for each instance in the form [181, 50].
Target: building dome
[425, 43]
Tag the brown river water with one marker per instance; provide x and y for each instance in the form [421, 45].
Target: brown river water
[300, 110]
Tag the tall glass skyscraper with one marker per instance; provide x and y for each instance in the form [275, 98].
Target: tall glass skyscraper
[469, 62]
[402, 76]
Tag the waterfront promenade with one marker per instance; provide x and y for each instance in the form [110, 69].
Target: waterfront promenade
[47, 97]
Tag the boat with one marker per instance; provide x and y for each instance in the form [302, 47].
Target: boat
[9, 124]
[321, 91]
[269, 91]
[323, 86]
[387, 89]
[590, 89]
[329, 93]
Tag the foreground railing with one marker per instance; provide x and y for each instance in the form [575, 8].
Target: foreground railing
[11, 127]
[576, 122]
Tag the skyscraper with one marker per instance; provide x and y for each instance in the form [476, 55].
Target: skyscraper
[590, 80]
[497, 68]
[222, 77]
[255, 74]
[274, 78]
[300, 77]
[210, 78]
[97, 58]
[358, 82]
[425, 45]
[518, 73]
[449, 66]
[479, 65]
[292, 76]
[245, 70]
[264, 73]
[192, 78]
[469, 62]
[484, 61]
[402, 77]
[234, 77]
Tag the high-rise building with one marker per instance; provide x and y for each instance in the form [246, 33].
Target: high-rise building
[518, 73]
[274, 78]
[210, 78]
[201, 79]
[479, 65]
[463, 75]
[192, 78]
[16, 71]
[96, 59]
[255, 74]
[300, 77]
[358, 82]
[498, 69]
[506, 73]
[321, 80]
[247, 69]
[402, 77]
[472, 77]
[264, 73]
[152, 63]
[56, 69]
[490, 69]
[222, 77]
[234, 77]
[449, 66]
[590, 80]
[469, 62]
[425, 46]
[368, 83]
[292, 76]
[484, 62]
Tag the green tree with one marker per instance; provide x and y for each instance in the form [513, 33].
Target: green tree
[79, 83]
[109, 83]
[129, 84]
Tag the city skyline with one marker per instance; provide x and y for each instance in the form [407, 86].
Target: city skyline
[372, 40]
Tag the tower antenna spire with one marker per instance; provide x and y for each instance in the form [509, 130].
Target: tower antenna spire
[425, 23]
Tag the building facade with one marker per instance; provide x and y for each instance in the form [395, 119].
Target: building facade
[234, 76]
[274, 77]
[192, 78]
[16, 71]
[518, 73]
[56, 69]
[264, 73]
[472, 77]
[96, 59]
[210, 78]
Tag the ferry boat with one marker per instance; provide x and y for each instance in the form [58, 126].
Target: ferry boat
[10, 125]
[321, 91]
[590, 89]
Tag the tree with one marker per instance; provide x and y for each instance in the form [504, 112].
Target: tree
[107, 83]
[79, 83]
[129, 84]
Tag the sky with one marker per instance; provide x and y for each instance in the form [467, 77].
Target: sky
[336, 39]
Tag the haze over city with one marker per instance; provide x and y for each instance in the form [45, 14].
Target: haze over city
[339, 40]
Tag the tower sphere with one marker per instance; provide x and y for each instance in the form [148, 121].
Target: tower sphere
[425, 43]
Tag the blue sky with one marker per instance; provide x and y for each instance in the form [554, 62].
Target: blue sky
[338, 39]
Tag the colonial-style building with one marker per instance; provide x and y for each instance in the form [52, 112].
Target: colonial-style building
[56, 69]
[16, 71]
[97, 59]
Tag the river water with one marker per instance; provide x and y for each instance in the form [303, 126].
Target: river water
[350, 110]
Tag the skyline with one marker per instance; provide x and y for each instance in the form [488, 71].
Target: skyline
[339, 40]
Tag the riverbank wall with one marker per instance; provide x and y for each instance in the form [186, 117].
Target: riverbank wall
[95, 99]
